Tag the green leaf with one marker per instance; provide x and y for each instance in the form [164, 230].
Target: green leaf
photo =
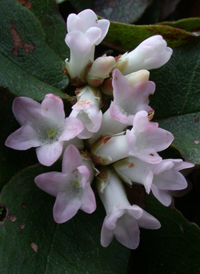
[186, 129]
[189, 24]
[38, 245]
[28, 66]
[126, 37]
[177, 83]
[53, 25]
[174, 248]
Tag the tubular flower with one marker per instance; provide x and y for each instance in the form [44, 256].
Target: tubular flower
[87, 111]
[160, 178]
[152, 53]
[123, 220]
[135, 97]
[43, 126]
[71, 187]
[146, 139]
[143, 141]
[130, 96]
[84, 32]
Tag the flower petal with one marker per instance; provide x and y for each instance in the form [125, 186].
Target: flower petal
[88, 200]
[51, 182]
[65, 207]
[148, 221]
[23, 138]
[74, 23]
[103, 24]
[88, 18]
[170, 180]
[127, 232]
[161, 195]
[48, 154]
[71, 159]
[26, 110]
[93, 34]
[72, 128]
[107, 236]
[52, 108]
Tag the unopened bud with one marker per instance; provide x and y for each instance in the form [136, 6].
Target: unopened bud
[138, 76]
[100, 70]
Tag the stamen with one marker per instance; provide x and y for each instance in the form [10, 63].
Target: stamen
[51, 133]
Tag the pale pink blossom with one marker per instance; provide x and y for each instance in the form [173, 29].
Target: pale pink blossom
[87, 110]
[143, 141]
[81, 50]
[159, 178]
[129, 99]
[146, 139]
[84, 32]
[123, 220]
[152, 53]
[131, 94]
[86, 20]
[71, 187]
[43, 126]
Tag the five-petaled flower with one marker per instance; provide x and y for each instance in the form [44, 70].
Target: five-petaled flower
[123, 220]
[160, 178]
[43, 126]
[71, 187]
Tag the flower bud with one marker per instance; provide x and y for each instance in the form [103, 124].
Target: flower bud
[138, 76]
[100, 70]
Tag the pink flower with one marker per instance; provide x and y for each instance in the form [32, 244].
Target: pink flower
[143, 141]
[129, 99]
[122, 220]
[131, 94]
[71, 187]
[43, 126]
[160, 178]
[146, 139]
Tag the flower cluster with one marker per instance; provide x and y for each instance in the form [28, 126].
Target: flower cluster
[119, 145]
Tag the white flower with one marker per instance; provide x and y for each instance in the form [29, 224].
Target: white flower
[84, 32]
[122, 220]
[152, 53]
[43, 126]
